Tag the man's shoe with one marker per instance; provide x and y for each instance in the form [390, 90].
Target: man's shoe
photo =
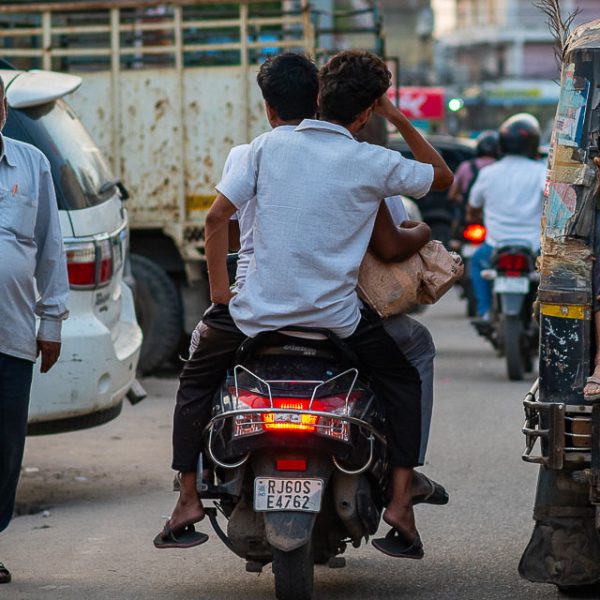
[5, 576]
[483, 325]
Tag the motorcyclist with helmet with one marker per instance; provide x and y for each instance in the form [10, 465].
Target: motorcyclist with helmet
[510, 195]
[487, 152]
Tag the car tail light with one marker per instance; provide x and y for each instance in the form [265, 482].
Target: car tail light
[474, 233]
[512, 264]
[89, 264]
[295, 422]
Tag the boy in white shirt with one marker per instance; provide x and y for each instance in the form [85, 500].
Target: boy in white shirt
[306, 265]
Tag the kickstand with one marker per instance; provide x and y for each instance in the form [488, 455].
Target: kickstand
[211, 513]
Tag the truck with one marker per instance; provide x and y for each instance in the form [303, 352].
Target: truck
[168, 88]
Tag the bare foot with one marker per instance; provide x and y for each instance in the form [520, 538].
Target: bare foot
[591, 391]
[188, 510]
[402, 518]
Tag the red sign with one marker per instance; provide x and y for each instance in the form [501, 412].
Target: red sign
[423, 103]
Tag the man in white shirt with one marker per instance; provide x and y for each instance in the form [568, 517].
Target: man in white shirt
[510, 193]
[306, 261]
[31, 256]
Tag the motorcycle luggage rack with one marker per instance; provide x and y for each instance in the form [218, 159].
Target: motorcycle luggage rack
[366, 429]
[546, 422]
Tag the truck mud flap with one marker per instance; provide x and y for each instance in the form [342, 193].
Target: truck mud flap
[564, 551]
[287, 531]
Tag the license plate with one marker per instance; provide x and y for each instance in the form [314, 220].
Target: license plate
[275, 493]
[511, 285]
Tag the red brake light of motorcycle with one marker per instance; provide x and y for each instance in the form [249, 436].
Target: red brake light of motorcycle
[474, 233]
[293, 422]
[512, 265]
[290, 464]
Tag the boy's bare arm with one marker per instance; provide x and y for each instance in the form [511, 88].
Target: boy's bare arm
[391, 244]
[234, 235]
[216, 245]
[422, 150]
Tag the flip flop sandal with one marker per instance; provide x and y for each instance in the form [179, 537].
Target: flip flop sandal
[5, 575]
[186, 538]
[397, 545]
[596, 381]
[438, 495]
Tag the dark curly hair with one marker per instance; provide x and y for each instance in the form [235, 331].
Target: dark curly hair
[289, 83]
[349, 83]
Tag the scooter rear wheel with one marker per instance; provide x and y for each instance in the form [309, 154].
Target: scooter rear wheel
[513, 348]
[294, 573]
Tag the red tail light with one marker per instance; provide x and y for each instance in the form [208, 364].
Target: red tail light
[512, 265]
[290, 464]
[89, 264]
[474, 233]
[293, 422]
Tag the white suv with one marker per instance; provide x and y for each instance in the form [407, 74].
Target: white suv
[101, 338]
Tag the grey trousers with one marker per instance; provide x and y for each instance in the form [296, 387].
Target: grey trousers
[416, 343]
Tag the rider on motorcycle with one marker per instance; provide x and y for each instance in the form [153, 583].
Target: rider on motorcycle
[510, 194]
[487, 151]
[306, 265]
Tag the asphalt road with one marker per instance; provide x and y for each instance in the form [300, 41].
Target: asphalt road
[92, 501]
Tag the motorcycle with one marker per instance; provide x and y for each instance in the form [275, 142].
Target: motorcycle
[512, 330]
[297, 461]
[465, 243]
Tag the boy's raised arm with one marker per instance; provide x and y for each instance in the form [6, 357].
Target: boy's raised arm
[422, 150]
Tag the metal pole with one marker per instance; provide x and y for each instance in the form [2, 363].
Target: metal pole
[115, 67]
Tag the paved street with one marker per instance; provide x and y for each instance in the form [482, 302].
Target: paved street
[92, 501]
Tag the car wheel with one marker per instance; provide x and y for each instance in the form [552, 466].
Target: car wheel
[159, 311]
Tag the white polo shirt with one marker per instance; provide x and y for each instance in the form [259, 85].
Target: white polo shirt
[511, 193]
[317, 194]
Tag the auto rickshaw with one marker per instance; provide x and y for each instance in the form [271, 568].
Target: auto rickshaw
[562, 430]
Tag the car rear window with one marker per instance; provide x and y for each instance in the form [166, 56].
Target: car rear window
[82, 177]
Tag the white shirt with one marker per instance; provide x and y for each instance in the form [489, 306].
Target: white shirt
[31, 252]
[317, 193]
[246, 214]
[511, 193]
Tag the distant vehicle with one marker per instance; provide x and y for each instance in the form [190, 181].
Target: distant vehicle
[435, 207]
[101, 338]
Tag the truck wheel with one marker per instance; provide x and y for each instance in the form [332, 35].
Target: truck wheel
[294, 573]
[513, 349]
[159, 311]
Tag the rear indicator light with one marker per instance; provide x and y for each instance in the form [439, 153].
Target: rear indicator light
[290, 464]
[513, 265]
[293, 422]
[106, 261]
[474, 233]
[89, 264]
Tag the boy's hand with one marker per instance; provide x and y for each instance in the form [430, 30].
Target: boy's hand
[384, 107]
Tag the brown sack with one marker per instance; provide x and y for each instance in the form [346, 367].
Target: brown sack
[393, 288]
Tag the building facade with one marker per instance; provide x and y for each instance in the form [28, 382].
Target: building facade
[500, 58]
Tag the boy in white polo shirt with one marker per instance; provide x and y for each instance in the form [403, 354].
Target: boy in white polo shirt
[318, 193]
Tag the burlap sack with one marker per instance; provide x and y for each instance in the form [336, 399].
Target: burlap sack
[393, 288]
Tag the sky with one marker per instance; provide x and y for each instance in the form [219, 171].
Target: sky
[444, 15]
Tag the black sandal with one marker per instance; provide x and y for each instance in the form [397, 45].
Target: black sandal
[5, 575]
[397, 545]
[187, 537]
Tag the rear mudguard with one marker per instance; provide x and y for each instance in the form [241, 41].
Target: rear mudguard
[511, 305]
[288, 530]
